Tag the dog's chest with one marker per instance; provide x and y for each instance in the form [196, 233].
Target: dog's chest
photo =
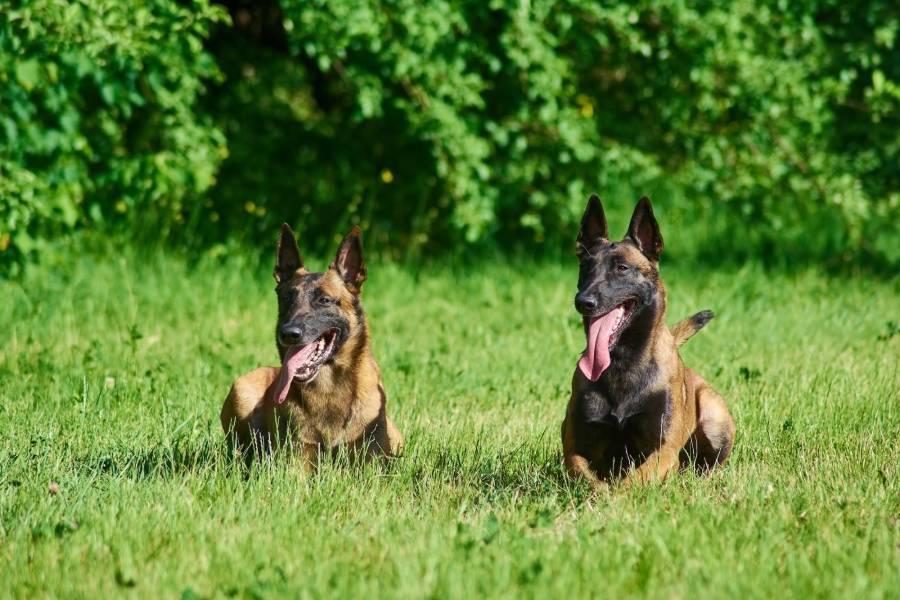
[325, 420]
[311, 420]
[633, 416]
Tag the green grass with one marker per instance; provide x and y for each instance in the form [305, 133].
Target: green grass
[113, 371]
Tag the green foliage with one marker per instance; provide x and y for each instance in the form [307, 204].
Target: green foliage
[760, 128]
[99, 121]
[778, 118]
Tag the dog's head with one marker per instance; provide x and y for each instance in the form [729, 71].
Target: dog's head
[318, 313]
[618, 282]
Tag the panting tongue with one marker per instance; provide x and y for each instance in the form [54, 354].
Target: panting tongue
[596, 359]
[294, 358]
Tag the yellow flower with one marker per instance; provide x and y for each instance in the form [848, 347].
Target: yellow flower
[387, 176]
[587, 107]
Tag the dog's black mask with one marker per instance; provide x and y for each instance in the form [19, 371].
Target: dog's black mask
[306, 313]
[317, 312]
[618, 282]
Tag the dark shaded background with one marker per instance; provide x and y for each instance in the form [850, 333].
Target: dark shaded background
[762, 130]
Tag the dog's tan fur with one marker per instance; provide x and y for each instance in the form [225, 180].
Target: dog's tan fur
[699, 423]
[342, 408]
[680, 420]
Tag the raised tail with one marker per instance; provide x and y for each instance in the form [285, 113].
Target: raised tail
[686, 328]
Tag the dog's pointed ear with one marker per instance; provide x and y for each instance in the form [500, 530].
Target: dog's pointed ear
[593, 225]
[287, 258]
[349, 262]
[644, 230]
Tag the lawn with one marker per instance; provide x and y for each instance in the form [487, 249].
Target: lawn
[113, 371]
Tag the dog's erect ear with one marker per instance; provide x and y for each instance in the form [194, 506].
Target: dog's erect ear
[287, 259]
[349, 262]
[593, 225]
[644, 230]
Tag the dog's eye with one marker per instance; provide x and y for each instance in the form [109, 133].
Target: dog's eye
[327, 300]
[621, 268]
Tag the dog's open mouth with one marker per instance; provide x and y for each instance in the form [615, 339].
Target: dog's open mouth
[302, 363]
[603, 333]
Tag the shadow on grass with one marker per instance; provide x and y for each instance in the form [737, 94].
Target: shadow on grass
[532, 468]
[160, 462]
[484, 474]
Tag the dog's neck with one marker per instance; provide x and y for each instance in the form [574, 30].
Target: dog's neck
[632, 358]
[339, 377]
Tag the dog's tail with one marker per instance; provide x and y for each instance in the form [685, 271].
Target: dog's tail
[686, 328]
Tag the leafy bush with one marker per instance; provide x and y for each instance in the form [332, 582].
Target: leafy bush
[99, 120]
[763, 128]
[781, 117]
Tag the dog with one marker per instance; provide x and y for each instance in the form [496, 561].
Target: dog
[636, 413]
[328, 393]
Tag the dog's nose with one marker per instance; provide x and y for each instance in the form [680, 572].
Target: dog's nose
[289, 334]
[586, 303]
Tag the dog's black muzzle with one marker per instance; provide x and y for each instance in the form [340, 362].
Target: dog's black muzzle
[300, 332]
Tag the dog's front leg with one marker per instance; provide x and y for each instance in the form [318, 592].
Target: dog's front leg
[665, 458]
[655, 467]
[577, 465]
[305, 456]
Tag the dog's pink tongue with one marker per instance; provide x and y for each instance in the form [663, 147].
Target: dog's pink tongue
[596, 358]
[294, 358]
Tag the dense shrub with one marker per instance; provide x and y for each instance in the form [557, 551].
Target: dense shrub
[99, 120]
[763, 128]
[496, 119]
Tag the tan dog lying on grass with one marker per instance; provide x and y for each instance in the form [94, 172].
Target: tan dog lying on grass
[327, 395]
[636, 411]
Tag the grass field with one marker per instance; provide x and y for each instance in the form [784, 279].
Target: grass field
[113, 371]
